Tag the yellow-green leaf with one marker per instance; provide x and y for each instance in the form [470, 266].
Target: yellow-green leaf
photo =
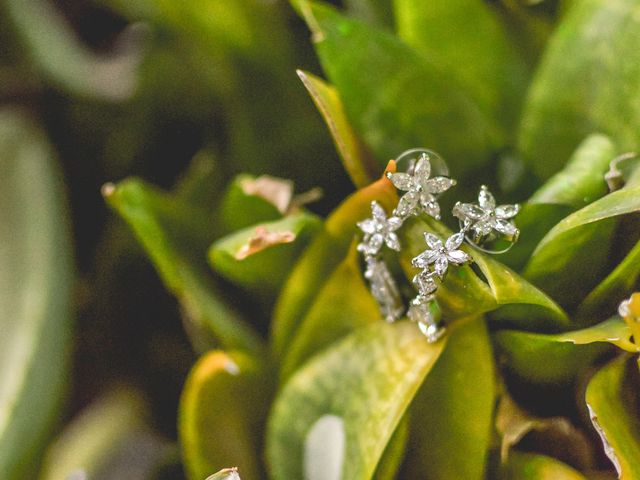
[610, 395]
[356, 159]
[324, 254]
[531, 466]
[546, 359]
[451, 416]
[343, 304]
[344, 405]
[221, 412]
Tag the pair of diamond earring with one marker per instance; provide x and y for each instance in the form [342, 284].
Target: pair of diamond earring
[484, 225]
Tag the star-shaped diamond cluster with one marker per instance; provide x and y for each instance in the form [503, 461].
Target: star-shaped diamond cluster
[421, 189]
[484, 218]
[379, 230]
[437, 257]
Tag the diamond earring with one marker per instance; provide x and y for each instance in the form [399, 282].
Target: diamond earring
[483, 225]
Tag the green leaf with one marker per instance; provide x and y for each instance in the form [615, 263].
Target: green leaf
[53, 46]
[531, 466]
[547, 359]
[356, 159]
[467, 41]
[260, 257]
[375, 12]
[97, 441]
[451, 416]
[582, 179]
[343, 304]
[324, 254]
[534, 222]
[609, 396]
[221, 411]
[176, 236]
[571, 258]
[244, 194]
[394, 453]
[394, 98]
[585, 83]
[35, 293]
[617, 285]
[464, 293]
[319, 423]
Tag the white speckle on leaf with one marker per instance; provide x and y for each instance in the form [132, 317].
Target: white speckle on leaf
[231, 367]
[324, 449]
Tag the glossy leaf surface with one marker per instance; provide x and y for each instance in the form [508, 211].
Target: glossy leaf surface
[320, 410]
[221, 410]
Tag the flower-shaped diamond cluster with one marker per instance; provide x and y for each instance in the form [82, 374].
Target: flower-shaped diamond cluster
[421, 189]
[485, 218]
[437, 257]
[379, 230]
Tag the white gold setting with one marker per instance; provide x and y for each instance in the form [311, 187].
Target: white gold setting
[483, 225]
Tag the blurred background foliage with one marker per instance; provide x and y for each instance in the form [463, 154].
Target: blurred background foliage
[185, 105]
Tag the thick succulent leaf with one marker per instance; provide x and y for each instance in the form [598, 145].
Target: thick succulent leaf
[96, 443]
[464, 293]
[610, 394]
[382, 83]
[35, 290]
[324, 254]
[260, 257]
[53, 46]
[546, 359]
[343, 304]
[582, 179]
[531, 466]
[357, 161]
[246, 202]
[451, 416]
[617, 285]
[587, 82]
[221, 411]
[469, 43]
[571, 258]
[176, 236]
[320, 413]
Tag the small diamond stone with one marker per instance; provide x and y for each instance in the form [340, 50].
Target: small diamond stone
[421, 311]
[384, 289]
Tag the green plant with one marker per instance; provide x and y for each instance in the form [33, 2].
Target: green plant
[527, 330]
[297, 374]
